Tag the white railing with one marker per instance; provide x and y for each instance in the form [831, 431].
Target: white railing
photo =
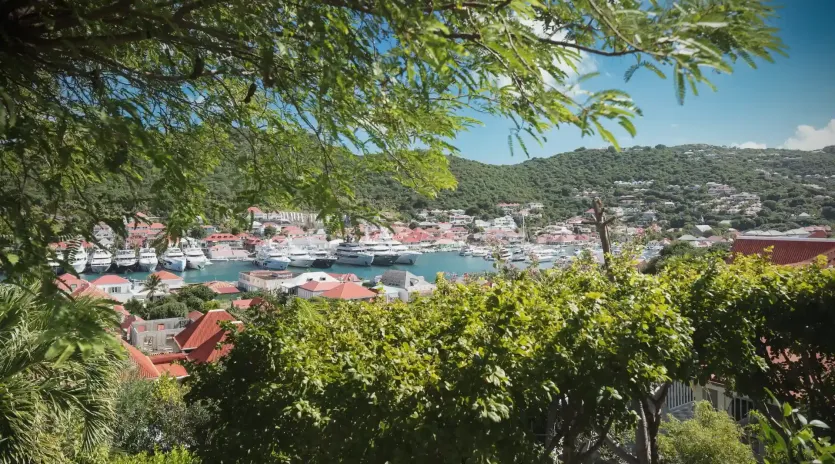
[679, 394]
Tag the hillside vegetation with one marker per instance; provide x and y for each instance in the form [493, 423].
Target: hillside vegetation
[779, 177]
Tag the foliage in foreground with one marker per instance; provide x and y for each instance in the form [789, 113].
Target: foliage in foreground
[56, 385]
[792, 439]
[710, 437]
[175, 456]
[151, 417]
[537, 366]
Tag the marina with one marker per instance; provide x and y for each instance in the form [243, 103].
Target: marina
[428, 266]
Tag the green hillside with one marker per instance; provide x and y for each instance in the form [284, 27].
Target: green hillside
[779, 177]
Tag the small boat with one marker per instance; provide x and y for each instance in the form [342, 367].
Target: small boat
[126, 259]
[195, 259]
[174, 260]
[148, 259]
[465, 251]
[480, 252]
[101, 261]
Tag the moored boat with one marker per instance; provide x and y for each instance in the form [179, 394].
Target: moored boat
[125, 260]
[174, 260]
[148, 259]
[101, 261]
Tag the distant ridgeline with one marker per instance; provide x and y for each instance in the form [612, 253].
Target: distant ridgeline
[791, 185]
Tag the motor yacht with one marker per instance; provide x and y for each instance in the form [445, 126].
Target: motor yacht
[300, 258]
[322, 259]
[195, 259]
[148, 259]
[125, 259]
[271, 257]
[404, 254]
[353, 253]
[77, 257]
[101, 261]
[479, 252]
[55, 262]
[174, 260]
[465, 251]
[383, 256]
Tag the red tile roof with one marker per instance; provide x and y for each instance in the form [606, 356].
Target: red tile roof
[194, 315]
[253, 209]
[349, 291]
[786, 250]
[110, 279]
[89, 290]
[144, 366]
[66, 281]
[214, 347]
[129, 320]
[345, 277]
[174, 370]
[202, 329]
[167, 358]
[223, 288]
[165, 275]
[242, 304]
[318, 286]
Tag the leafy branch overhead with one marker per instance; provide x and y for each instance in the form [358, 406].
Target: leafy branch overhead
[144, 99]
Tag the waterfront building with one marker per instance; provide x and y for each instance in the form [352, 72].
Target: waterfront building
[116, 287]
[265, 280]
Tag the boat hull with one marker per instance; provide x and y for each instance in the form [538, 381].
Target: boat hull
[79, 266]
[100, 268]
[323, 263]
[125, 265]
[148, 265]
[274, 264]
[384, 259]
[176, 265]
[408, 258]
[196, 263]
[301, 262]
[360, 260]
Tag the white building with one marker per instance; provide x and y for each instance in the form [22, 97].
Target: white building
[119, 288]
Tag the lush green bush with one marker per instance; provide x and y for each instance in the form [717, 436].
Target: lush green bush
[175, 456]
[711, 437]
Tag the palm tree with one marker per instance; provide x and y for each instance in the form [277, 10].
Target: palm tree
[58, 366]
[153, 285]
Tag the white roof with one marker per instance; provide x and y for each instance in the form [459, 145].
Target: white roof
[703, 227]
[689, 238]
[306, 277]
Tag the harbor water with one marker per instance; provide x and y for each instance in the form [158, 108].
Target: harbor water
[428, 266]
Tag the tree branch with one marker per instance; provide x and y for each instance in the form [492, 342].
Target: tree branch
[619, 451]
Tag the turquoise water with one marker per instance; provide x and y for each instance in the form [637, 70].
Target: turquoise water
[428, 266]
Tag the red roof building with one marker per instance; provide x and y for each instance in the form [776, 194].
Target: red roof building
[165, 275]
[222, 288]
[349, 291]
[248, 303]
[787, 251]
[194, 315]
[345, 277]
[144, 367]
[69, 283]
[196, 333]
[215, 347]
[110, 279]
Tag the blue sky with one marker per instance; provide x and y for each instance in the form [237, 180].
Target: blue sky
[758, 107]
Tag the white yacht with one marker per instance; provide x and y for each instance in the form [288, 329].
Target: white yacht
[126, 259]
[195, 259]
[300, 258]
[383, 255]
[404, 254]
[55, 262]
[270, 256]
[542, 255]
[101, 261]
[479, 252]
[174, 260]
[77, 257]
[353, 253]
[148, 259]
[465, 251]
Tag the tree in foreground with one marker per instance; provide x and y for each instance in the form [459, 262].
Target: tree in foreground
[57, 385]
[110, 106]
[545, 366]
[710, 437]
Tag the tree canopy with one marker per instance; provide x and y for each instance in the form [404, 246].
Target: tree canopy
[152, 96]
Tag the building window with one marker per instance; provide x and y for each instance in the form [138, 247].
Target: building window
[160, 327]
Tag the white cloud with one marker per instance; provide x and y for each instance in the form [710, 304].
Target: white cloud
[752, 145]
[809, 138]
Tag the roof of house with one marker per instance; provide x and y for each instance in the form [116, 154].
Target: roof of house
[397, 278]
[223, 288]
[110, 279]
[242, 304]
[89, 290]
[786, 250]
[349, 291]
[144, 366]
[66, 281]
[202, 329]
[129, 320]
[214, 347]
[318, 286]
[165, 275]
[194, 315]
[174, 370]
[167, 358]
[345, 277]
